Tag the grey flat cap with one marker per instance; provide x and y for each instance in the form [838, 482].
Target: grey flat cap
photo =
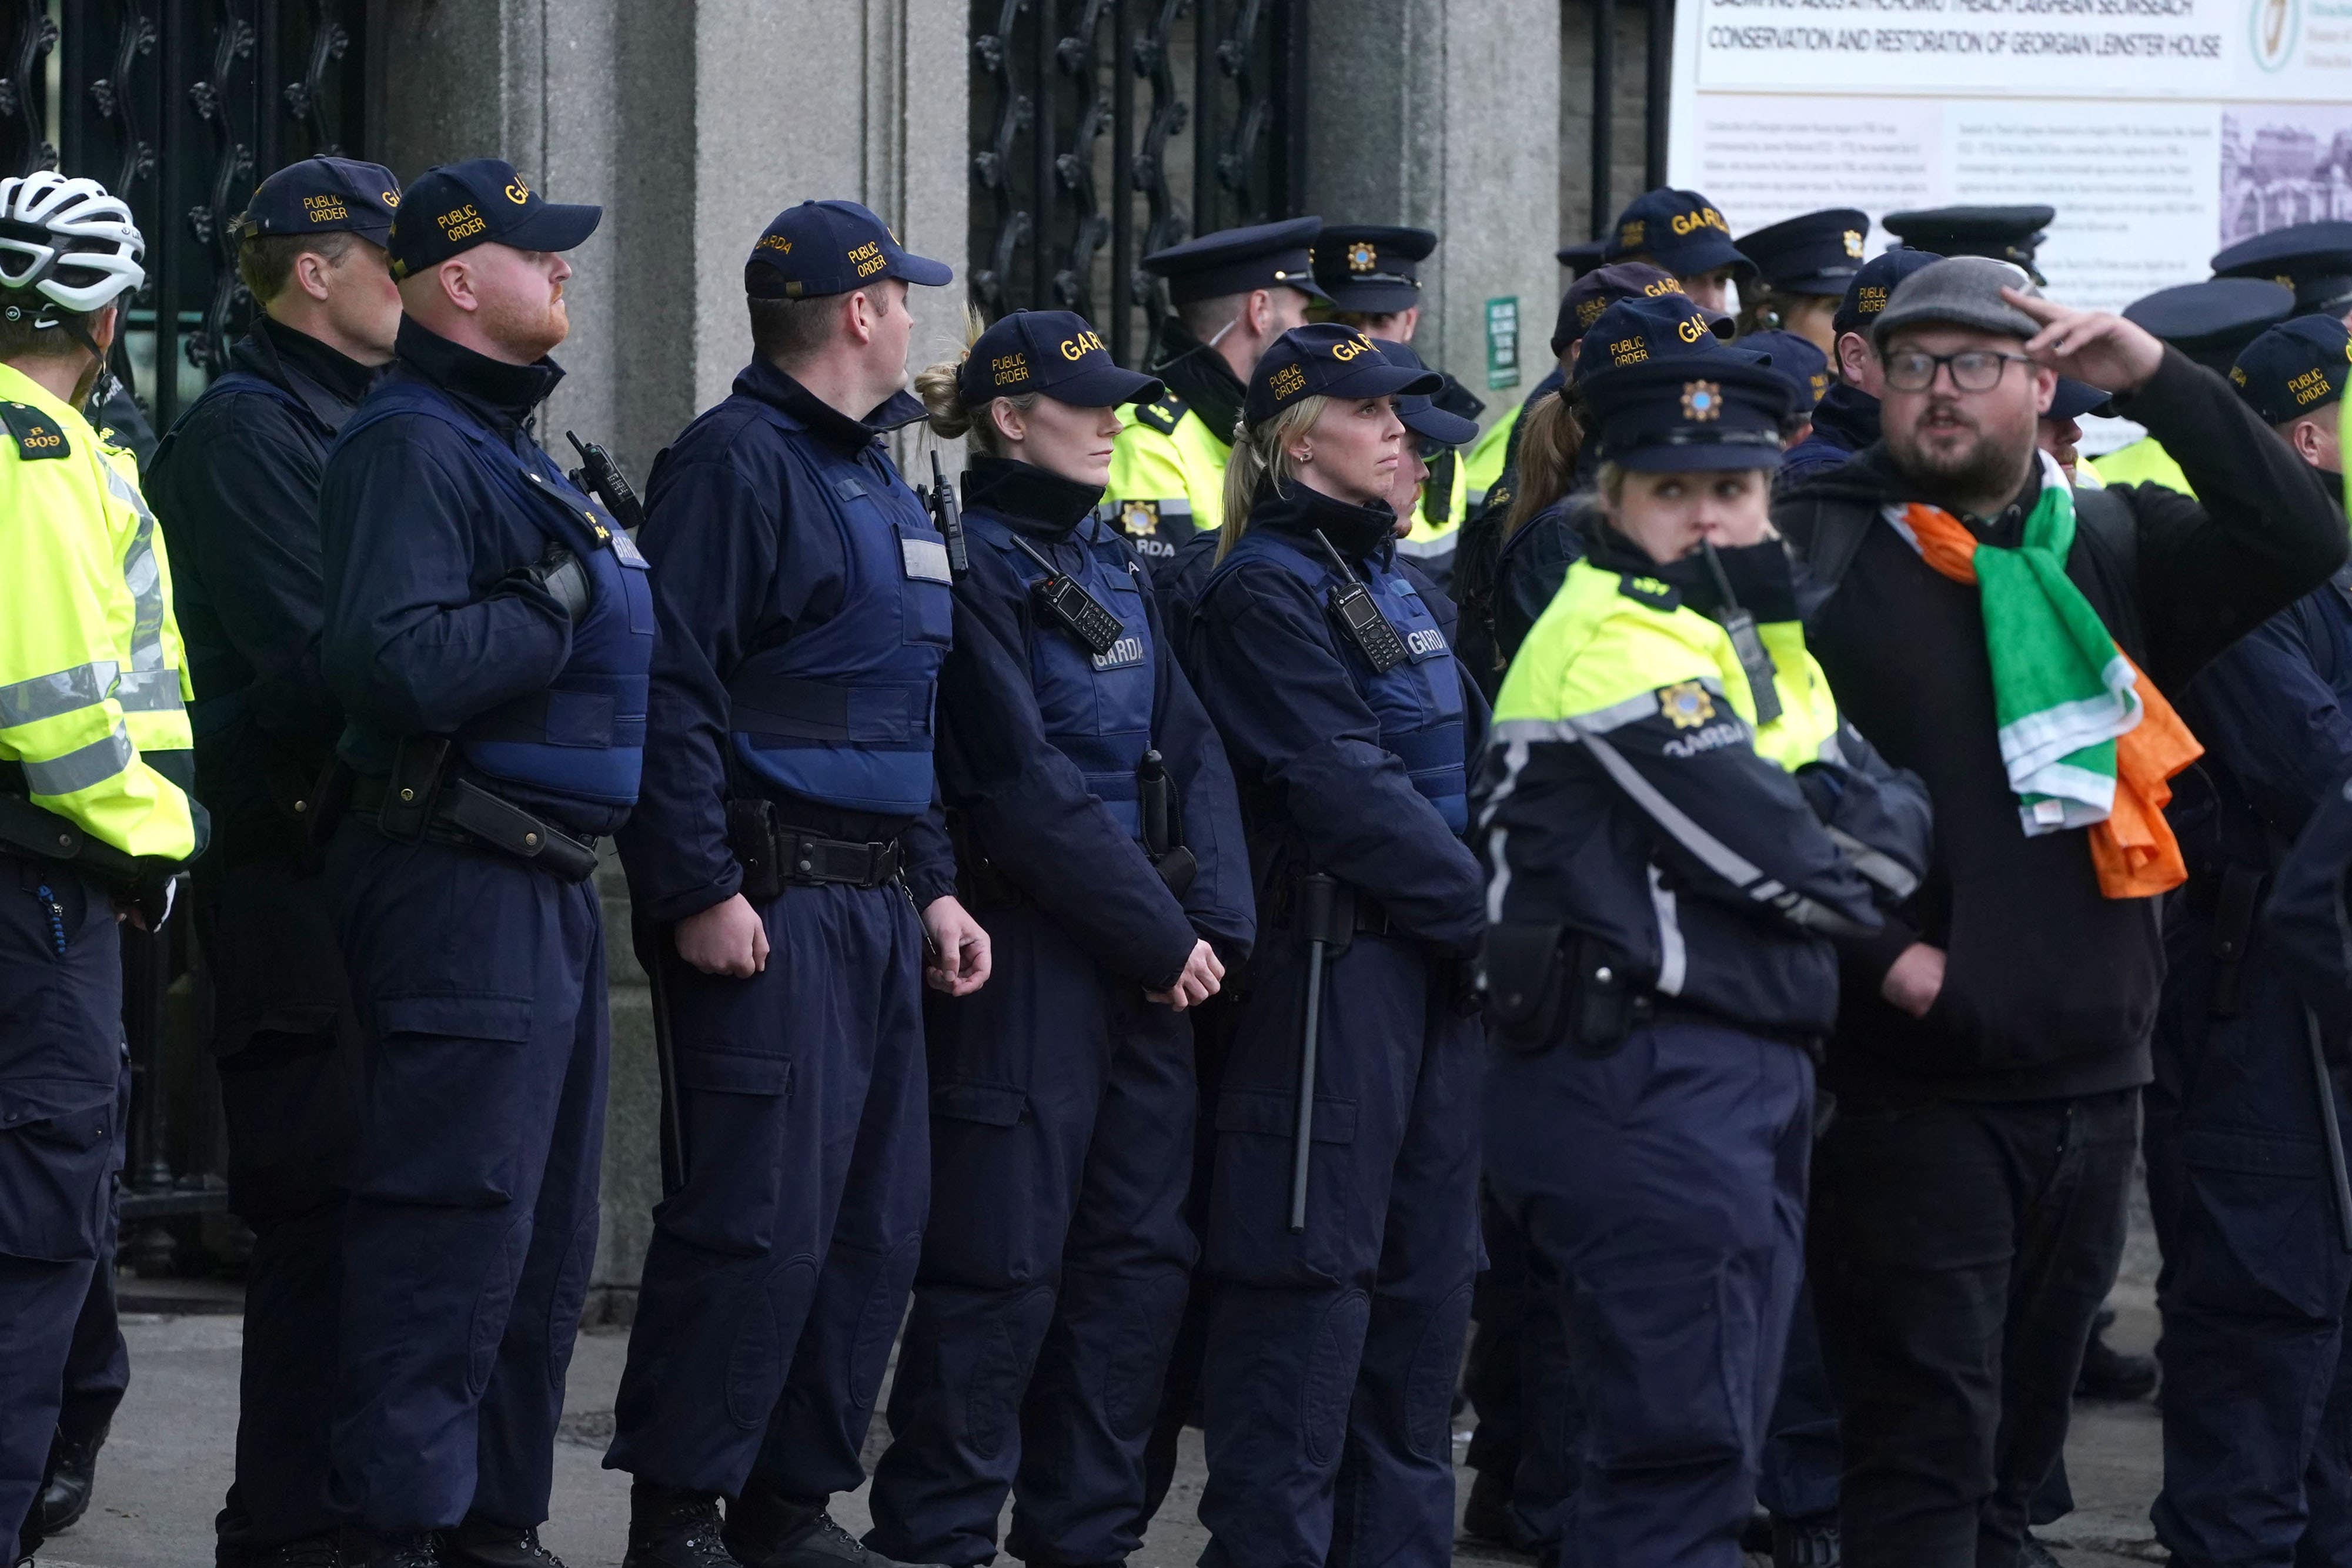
[1958, 291]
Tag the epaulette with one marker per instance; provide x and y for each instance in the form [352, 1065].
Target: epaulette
[1163, 415]
[36, 433]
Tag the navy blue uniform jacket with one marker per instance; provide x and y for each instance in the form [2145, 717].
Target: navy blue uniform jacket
[235, 486]
[426, 628]
[1028, 803]
[733, 575]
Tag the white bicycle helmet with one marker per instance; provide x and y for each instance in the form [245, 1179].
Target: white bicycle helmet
[67, 239]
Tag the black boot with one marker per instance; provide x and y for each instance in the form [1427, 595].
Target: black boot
[364, 1548]
[1488, 1516]
[65, 1486]
[764, 1538]
[674, 1529]
[478, 1544]
[310, 1551]
[1811, 1542]
[2031, 1553]
[2111, 1374]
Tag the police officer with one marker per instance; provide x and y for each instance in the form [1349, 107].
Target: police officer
[1101, 844]
[487, 631]
[1369, 272]
[785, 842]
[1556, 459]
[2257, 1395]
[1803, 265]
[2211, 322]
[1845, 421]
[96, 810]
[2061, 430]
[1681, 232]
[2313, 259]
[2010, 234]
[1338, 1330]
[1542, 539]
[1649, 1121]
[1233, 293]
[236, 486]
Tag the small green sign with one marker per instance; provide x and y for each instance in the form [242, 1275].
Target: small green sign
[1503, 342]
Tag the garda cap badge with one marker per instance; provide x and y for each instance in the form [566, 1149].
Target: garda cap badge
[1361, 257]
[1853, 244]
[1702, 402]
[1686, 703]
[1140, 519]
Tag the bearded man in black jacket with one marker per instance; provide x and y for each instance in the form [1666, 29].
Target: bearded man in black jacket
[1969, 1199]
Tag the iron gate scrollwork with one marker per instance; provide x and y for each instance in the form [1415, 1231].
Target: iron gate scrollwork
[1105, 129]
[179, 107]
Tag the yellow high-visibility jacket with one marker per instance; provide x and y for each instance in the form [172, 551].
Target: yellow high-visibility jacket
[93, 681]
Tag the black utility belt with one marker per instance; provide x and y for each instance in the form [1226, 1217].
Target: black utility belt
[461, 812]
[775, 855]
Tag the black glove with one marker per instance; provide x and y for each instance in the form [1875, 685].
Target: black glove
[558, 574]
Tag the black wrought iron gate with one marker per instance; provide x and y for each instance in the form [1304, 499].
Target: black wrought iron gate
[179, 107]
[1104, 130]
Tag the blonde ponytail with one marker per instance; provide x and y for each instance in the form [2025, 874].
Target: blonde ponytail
[1261, 455]
[941, 394]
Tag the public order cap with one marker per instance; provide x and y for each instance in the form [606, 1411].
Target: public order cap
[323, 195]
[1680, 230]
[1711, 408]
[1597, 290]
[451, 209]
[1370, 268]
[1236, 261]
[2297, 367]
[1331, 359]
[2312, 259]
[1647, 328]
[1874, 285]
[831, 247]
[1418, 412]
[1052, 352]
[2004, 234]
[2213, 321]
[1813, 253]
[1800, 361]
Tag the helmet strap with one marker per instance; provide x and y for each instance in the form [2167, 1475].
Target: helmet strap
[103, 382]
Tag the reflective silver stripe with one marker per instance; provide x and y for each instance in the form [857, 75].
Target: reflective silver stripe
[141, 575]
[148, 691]
[1617, 715]
[78, 769]
[1673, 956]
[1181, 506]
[1884, 870]
[1717, 856]
[1421, 550]
[1515, 757]
[63, 692]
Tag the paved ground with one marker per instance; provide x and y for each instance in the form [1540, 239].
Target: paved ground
[162, 1474]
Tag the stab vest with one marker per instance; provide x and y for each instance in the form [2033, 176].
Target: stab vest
[841, 712]
[1418, 702]
[1096, 707]
[583, 735]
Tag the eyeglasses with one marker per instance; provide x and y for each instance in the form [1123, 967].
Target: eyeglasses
[1973, 370]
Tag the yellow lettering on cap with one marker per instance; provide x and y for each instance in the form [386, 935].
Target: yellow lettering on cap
[390, 198]
[2237, 376]
[462, 224]
[1691, 330]
[1630, 234]
[1287, 381]
[1662, 285]
[1628, 350]
[1010, 370]
[518, 193]
[1350, 347]
[1870, 299]
[1589, 311]
[776, 242]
